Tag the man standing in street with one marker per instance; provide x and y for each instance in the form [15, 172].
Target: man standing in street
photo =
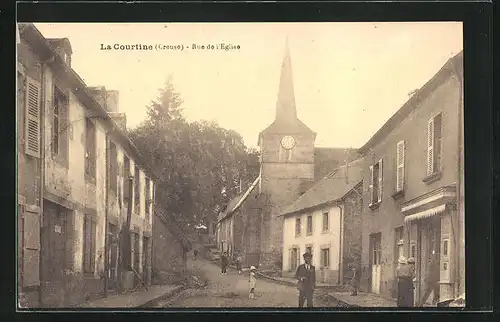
[306, 276]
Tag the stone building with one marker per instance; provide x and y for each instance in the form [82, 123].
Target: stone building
[289, 165]
[326, 222]
[413, 194]
[73, 190]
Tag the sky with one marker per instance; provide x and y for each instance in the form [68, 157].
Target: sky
[349, 78]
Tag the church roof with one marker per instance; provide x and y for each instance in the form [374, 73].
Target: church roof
[286, 121]
[329, 189]
[328, 159]
[236, 202]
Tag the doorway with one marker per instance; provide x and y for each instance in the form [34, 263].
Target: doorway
[375, 261]
[112, 256]
[429, 236]
[53, 233]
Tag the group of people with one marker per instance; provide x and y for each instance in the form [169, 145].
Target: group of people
[252, 280]
[306, 280]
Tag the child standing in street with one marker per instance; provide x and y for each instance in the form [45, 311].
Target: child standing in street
[252, 281]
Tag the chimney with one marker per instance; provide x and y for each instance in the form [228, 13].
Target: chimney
[63, 47]
[108, 99]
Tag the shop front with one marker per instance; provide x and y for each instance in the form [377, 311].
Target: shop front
[431, 231]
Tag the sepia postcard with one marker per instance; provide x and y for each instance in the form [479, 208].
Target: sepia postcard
[240, 165]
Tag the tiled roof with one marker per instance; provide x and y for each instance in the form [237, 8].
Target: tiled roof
[237, 201]
[329, 189]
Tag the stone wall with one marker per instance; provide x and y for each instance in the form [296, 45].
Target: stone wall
[352, 232]
[169, 257]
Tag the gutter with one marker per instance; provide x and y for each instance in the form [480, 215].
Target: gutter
[341, 242]
[456, 221]
[43, 106]
[106, 200]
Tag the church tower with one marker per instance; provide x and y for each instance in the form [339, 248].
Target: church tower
[287, 161]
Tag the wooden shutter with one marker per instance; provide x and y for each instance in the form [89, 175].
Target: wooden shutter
[290, 260]
[380, 179]
[32, 119]
[430, 147]
[400, 167]
[370, 185]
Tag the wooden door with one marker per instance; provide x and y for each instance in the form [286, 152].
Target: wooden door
[53, 242]
[375, 253]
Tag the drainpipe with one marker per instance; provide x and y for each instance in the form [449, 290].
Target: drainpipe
[457, 224]
[341, 254]
[106, 200]
[42, 162]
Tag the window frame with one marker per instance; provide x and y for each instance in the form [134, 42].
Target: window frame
[322, 259]
[89, 264]
[326, 214]
[309, 232]
[298, 226]
[90, 150]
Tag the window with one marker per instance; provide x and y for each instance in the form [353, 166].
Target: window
[297, 227]
[89, 251]
[126, 175]
[285, 155]
[59, 126]
[90, 149]
[376, 248]
[113, 167]
[294, 258]
[309, 249]
[413, 251]
[55, 127]
[445, 247]
[375, 185]
[148, 197]
[309, 225]
[137, 191]
[434, 129]
[135, 251]
[32, 118]
[325, 258]
[399, 243]
[325, 221]
[400, 166]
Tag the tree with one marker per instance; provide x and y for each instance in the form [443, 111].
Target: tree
[199, 164]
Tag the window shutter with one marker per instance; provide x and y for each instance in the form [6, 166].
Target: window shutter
[400, 172]
[370, 187]
[380, 179]
[32, 120]
[430, 147]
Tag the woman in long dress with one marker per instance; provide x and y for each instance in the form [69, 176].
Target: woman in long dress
[405, 276]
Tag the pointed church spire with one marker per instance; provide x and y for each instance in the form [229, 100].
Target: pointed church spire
[285, 107]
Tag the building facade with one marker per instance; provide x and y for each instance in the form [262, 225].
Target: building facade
[80, 161]
[325, 221]
[413, 191]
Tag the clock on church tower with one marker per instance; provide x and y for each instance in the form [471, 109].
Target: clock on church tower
[288, 142]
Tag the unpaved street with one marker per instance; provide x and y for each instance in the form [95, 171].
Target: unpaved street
[232, 291]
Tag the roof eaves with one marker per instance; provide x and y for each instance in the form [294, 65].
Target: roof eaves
[411, 104]
[81, 90]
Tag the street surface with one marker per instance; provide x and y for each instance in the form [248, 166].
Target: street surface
[232, 291]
